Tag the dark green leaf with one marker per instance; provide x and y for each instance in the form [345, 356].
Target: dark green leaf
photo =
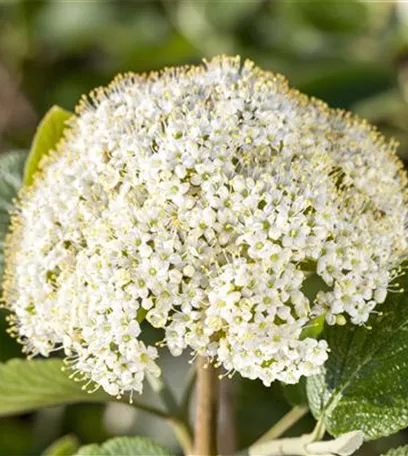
[49, 132]
[125, 446]
[28, 385]
[365, 381]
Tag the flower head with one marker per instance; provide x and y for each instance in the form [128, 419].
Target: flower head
[204, 198]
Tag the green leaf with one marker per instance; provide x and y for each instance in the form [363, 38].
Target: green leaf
[11, 171]
[65, 446]
[400, 451]
[365, 380]
[28, 385]
[125, 446]
[49, 132]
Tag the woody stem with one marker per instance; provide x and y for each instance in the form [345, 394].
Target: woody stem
[205, 440]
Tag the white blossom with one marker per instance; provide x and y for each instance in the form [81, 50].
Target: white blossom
[203, 199]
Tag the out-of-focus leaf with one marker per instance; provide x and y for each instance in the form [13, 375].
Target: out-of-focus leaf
[295, 394]
[65, 446]
[336, 16]
[387, 107]
[258, 407]
[381, 105]
[28, 385]
[11, 170]
[228, 15]
[16, 437]
[125, 446]
[343, 85]
[49, 132]
[72, 27]
[400, 451]
[86, 421]
[364, 383]
[90, 450]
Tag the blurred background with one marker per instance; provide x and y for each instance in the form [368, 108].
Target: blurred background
[352, 54]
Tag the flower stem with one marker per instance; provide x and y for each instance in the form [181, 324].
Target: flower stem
[227, 435]
[285, 423]
[175, 414]
[183, 433]
[205, 441]
[144, 407]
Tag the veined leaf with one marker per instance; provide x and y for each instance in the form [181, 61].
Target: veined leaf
[49, 132]
[364, 383]
[125, 446]
[28, 385]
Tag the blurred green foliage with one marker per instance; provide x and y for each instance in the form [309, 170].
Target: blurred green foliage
[353, 54]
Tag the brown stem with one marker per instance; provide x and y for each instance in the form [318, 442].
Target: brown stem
[227, 436]
[205, 440]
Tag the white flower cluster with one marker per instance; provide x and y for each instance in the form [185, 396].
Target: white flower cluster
[203, 199]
